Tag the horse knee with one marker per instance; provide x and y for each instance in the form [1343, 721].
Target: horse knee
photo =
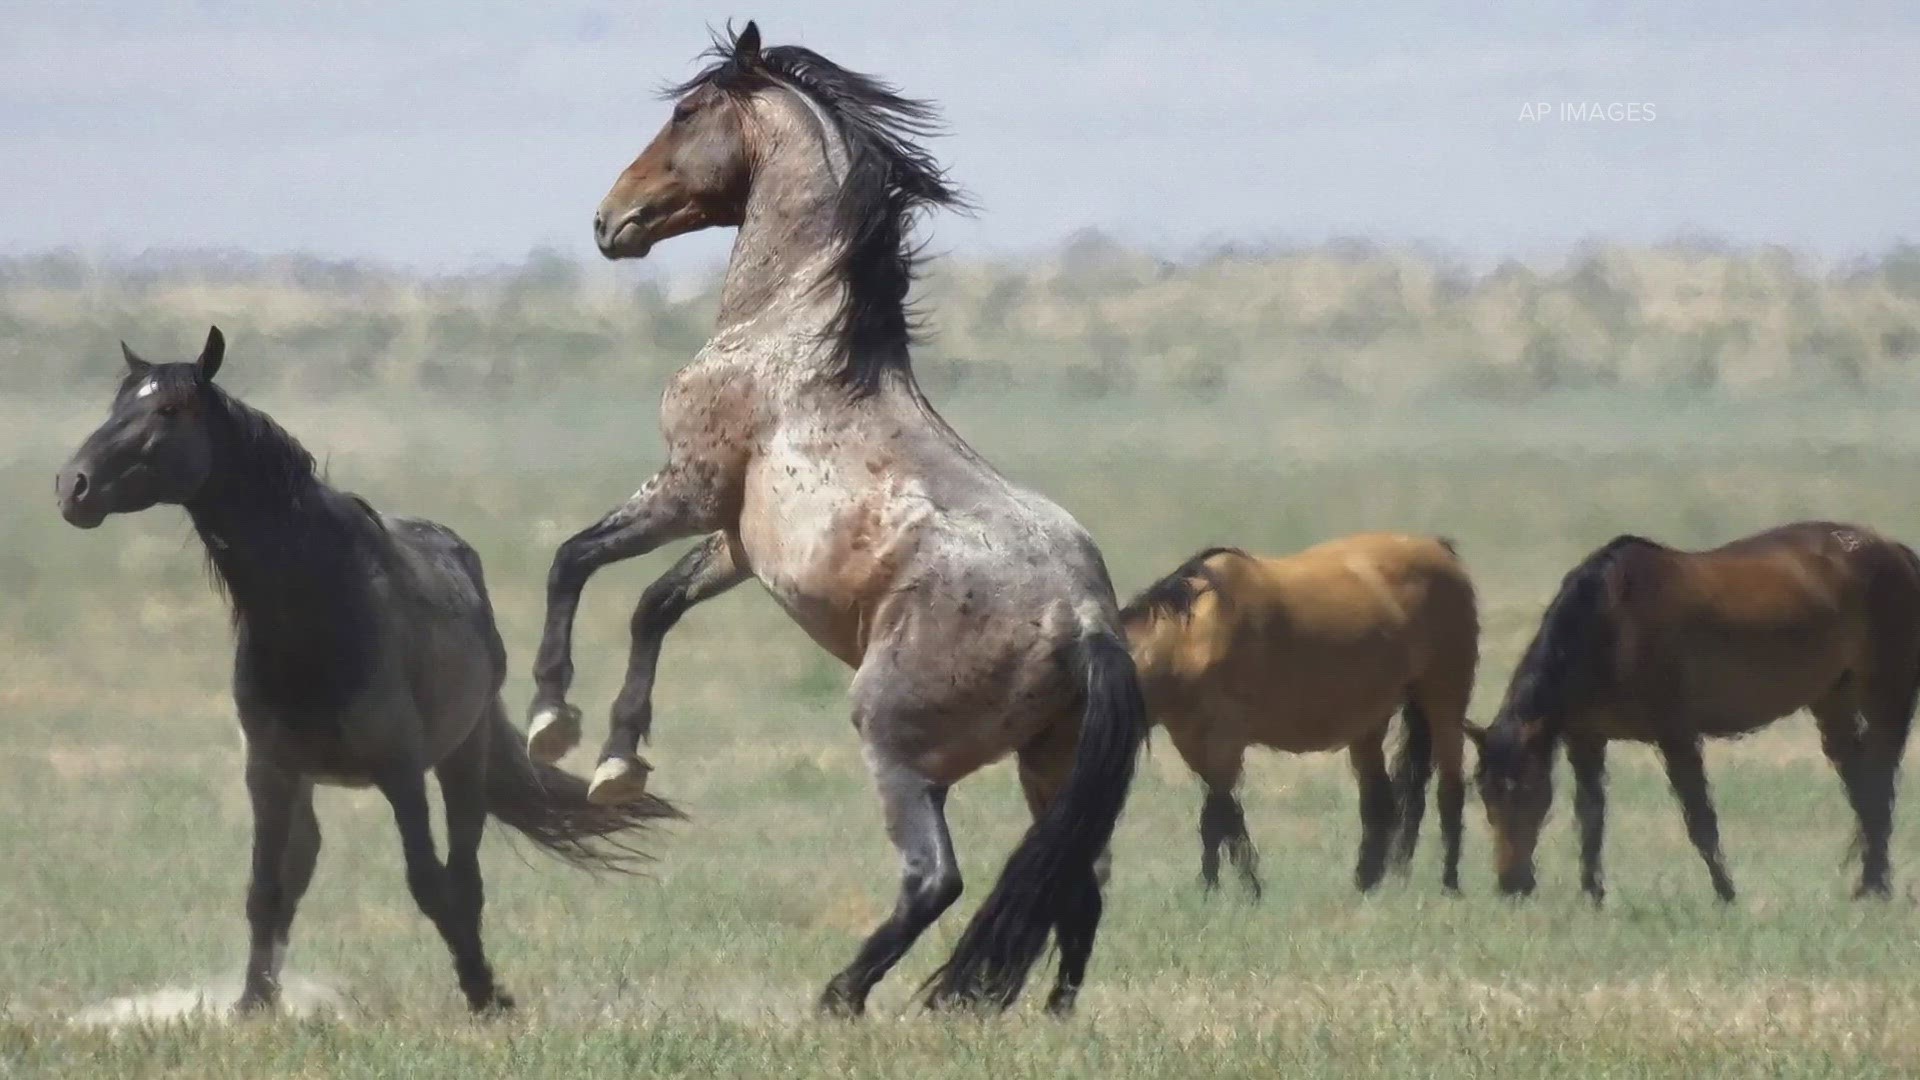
[660, 607]
[927, 896]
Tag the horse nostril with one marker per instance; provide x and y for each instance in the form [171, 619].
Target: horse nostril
[599, 224]
[79, 487]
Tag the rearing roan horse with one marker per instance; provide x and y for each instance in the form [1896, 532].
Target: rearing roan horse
[979, 615]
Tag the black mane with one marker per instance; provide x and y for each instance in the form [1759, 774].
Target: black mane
[1173, 596]
[1569, 656]
[295, 560]
[890, 179]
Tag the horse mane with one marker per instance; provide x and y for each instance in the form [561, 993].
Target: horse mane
[1173, 596]
[292, 557]
[890, 180]
[1568, 655]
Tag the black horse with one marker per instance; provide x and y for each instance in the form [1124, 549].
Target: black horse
[366, 654]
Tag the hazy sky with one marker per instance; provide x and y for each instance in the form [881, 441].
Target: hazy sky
[442, 133]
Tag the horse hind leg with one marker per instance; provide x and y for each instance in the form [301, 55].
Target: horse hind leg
[1863, 737]
[1686, 771]
[916, 816]
[1448, 727]
[1043, 768]
[704, 572]
[463, 793]
[1368, 759]
[449, 899]
[1412, 768]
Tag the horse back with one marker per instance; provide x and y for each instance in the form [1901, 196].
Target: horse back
[437, 583]
[1769, 624]
[1338, 630]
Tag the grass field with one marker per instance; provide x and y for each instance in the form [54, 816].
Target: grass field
[123, 843]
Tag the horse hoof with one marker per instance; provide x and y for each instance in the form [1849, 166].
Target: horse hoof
[618, 781]
[838, 1003]
[554, 731]
[253, 1006]
[493, 1005]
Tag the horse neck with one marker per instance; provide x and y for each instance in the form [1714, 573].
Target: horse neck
[780, 275]
[279, 544]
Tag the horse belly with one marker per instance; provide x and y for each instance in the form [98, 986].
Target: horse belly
[1323, 699]
[1733, 695]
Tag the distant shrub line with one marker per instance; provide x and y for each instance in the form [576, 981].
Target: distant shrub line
[1092, 318]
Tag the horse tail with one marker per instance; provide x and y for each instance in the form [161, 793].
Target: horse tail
[549, 806]
[1050, 879]
[1412, 768]
[1904, 721]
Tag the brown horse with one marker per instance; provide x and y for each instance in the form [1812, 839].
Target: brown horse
[1653, 645]
[1309, 653]
[978, 615]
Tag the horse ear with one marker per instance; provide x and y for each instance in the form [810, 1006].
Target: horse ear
[134, 363]
[746, 47]
[211, 354]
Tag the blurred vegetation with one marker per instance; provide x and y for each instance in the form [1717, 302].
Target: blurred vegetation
[1093, 317]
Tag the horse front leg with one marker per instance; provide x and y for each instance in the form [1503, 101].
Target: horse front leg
[1587, 757]
[710, 569]
[286, 845]
[672, 505]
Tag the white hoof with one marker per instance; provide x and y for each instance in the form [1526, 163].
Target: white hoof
[618, 781]
[553, 733]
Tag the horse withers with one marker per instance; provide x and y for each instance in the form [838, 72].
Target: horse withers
[366, 654]
[1309, 653]
[1649, 644]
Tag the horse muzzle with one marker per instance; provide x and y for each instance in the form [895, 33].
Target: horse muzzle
[626, 235]
[1517, 883]
[77, 504]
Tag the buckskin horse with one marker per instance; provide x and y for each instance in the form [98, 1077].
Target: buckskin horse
[978, 616]
[366, 654]
[1309, 653]
[1649, 644]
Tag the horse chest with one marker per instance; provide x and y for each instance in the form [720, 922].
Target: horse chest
[827, 550]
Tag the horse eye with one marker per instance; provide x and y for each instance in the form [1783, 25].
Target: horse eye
[684, 110]
[168, 411]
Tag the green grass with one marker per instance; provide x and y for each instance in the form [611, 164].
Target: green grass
[125, 834]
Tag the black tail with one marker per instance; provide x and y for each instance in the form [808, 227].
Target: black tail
[1050, 879]
[1412, 767]
[549, 806]
[1904, 719]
